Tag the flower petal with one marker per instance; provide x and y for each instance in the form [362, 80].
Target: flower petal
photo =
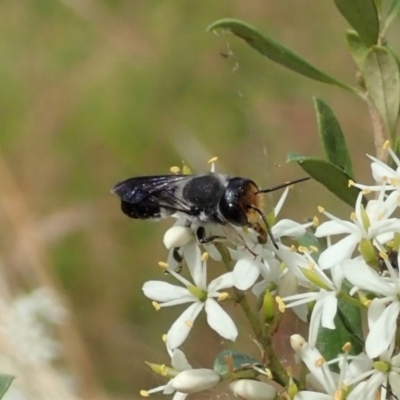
[245, 273]
[192, 255]
[180, 329]
[250, 389]
[364, 277]
[224, 281]
[164, 291]
[307, 395]
[179, 361]
[220, 321]
[382, 333]
[339, 251]
[330, 228]
[195, 380]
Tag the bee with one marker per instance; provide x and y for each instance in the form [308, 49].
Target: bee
[200, 198]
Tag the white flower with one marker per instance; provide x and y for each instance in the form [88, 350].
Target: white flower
[315, 364]
[370, 223]
[199, 293]
[383, 311]
[184, 379]
[249, 389]
[248, 267]
[324, 292]
[375, 377]
[321, 378]
[384, 175]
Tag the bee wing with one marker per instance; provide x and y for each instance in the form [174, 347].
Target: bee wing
[157, 190]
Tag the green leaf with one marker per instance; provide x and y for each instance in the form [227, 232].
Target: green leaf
[331, 137]
[362, 15]
[347, 329]
[273, 50]
[382, 79]
[357, 48]
[393, 12]
[5, 382]
[228, 361]
[394, 54]
[335, 179]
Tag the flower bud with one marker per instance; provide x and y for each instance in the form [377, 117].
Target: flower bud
[195, 380]
[268, 305]
[248, 389]
[177, 236]
[297, 342]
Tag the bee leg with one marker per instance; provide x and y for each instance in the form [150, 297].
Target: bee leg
[262, 234]
[203, 239]
[177, 256]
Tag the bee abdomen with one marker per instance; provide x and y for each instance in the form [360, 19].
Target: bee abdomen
[140, 211]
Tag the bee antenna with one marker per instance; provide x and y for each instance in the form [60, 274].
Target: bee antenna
[283, 185]
[264, 218]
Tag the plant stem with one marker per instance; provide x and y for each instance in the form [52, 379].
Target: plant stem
[264, 338]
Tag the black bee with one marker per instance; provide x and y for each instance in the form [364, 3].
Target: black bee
[200, 198]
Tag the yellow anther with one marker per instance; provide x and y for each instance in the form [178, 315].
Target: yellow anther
[302, 249]
[320, 362]
[164, 370]
[386, 145]
[204, 256]
[223, 296]
[281, 304]
[351, 183]
[189, 324]
[347, 347]
[315, 249]
[164, 338]
[320, 209]
[293, 248]
[353, 216]
[144, 393]
[156, 305]
[175, 169]
[163, 265]
[366, 191]
[394, 182]
[211, 160]
[268, 373]
[366, 303]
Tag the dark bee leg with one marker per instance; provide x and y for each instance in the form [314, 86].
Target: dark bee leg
[268, 226]
[203, 239]
[177, 256]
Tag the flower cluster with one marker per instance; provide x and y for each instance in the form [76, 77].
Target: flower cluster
[318, 281]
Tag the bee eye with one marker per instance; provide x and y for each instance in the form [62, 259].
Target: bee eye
[233, 213]
[230, 205]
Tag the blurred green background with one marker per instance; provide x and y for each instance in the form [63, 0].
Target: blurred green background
[96, 91]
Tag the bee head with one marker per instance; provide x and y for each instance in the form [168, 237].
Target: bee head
[240, 205]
